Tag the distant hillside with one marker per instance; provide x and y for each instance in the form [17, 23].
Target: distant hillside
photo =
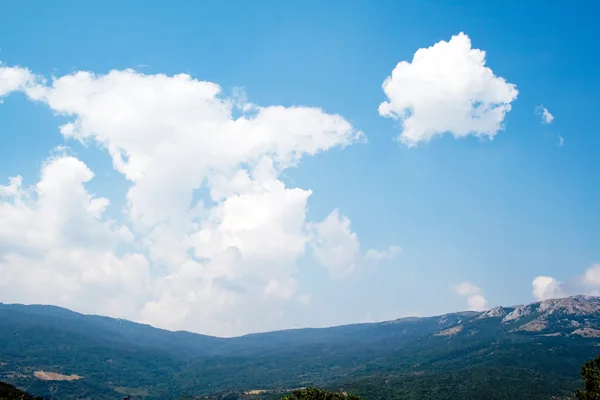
[9, 392]
[531, 351]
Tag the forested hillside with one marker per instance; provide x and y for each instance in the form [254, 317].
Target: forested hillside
[532, 351]
[9, 392]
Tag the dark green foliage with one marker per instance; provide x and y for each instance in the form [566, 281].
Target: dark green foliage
[590, 372]
[9, 392]
[318, 394]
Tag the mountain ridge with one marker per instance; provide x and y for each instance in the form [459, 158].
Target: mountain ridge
[514, 313]
[545, 341]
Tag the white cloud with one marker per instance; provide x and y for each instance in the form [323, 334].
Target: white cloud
[547, 287]
[335, 245]
[14, 79]
[56, 212]
[477, 302]
[547, 118]
[466, 289]
[446, 88]
[591, 276]
[475, 299]
[176, 132]
[305, 299]
[222, 263]
[381, 255]
[56, 246]
[561, 141]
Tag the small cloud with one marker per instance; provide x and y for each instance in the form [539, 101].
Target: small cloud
[591, 276]
[381, 255]
[334, 244]
[142, 66]
[61, 151]
[304, 299]
[561, 141]
[475, 299]
[547, 287]
[547, 118]
[477, 302]
[466, 289]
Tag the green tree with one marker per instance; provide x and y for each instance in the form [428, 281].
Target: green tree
[590, 372]
[9, 392]
[318, 394]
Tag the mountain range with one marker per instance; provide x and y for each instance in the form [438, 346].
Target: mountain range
[528, 351]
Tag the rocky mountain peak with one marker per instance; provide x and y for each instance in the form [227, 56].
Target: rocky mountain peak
[577, 305]
[519, 312]
[570, 316]
[567, 306]
[494, 313]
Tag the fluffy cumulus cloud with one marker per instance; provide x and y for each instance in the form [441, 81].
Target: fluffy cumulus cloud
[475, 299]
[213, 234]
[335, 245]
[543, 112]
[547, 287]
[447, 88]
[56, 246]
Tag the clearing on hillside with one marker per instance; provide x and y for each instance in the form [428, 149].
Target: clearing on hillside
[53, 376]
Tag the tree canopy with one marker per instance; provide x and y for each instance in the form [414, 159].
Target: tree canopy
[590, 372]
[318, 394]
[9, 392]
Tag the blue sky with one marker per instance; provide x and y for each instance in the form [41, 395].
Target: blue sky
[495, 213]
